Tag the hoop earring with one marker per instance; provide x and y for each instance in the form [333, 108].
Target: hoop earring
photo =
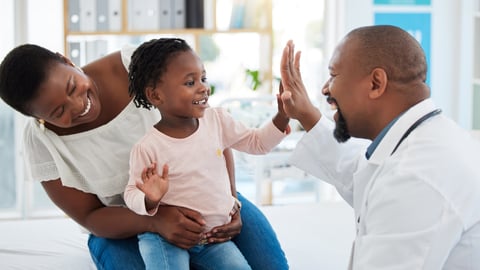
[41, 124]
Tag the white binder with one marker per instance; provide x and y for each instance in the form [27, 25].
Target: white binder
[166, 8]
[87, 15]
[114, 15]
[143, 15]
[179, 14]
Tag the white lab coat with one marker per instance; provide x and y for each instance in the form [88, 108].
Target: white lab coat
[416, 209]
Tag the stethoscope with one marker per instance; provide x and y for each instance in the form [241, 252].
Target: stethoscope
[415, 125]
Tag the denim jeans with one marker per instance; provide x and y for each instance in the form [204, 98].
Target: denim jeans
[157, 253]
[257, 242]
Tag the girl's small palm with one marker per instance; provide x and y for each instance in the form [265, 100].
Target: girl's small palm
[153, 185]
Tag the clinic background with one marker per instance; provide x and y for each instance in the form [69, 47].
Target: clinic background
[449, 31]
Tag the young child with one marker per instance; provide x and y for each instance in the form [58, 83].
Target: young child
[188, 142]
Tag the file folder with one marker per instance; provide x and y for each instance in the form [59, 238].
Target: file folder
[102, 23]
[74, 15]
[194, 13]
[143, 15]
[166, 9]
[114, 15]
[178, 14]
[87, 15]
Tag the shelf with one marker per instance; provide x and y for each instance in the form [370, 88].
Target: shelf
[190, 31]
[89, 35]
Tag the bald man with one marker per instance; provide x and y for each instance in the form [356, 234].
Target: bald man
[411, 174]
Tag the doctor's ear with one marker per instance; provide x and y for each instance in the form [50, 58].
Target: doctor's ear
[378, 83]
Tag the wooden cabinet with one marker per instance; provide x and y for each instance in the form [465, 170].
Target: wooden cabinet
[230, 36]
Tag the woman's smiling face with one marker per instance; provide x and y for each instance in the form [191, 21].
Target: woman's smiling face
[67, 98]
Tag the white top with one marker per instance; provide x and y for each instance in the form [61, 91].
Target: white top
[94, 161]
[198, 176]
[416, 209]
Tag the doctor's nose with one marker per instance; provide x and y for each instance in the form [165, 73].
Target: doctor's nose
[326, 88]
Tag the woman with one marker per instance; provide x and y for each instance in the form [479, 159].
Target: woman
[77, 144]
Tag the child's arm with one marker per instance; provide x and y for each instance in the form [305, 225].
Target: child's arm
[153, 186]
[280, 120]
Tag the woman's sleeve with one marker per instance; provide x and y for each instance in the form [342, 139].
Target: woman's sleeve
[38, 159]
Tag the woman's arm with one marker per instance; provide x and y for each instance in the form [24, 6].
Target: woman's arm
[180, 226]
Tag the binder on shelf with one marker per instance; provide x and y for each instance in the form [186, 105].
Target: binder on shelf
[102, 18]
[143, 14]
[74, 53]
[238, 14]
[178, 14]
[134, 12]
[194, 14]
[114, 15]
[95, 49]
[74, 15]
[255, 16]
[87, 15]
[165, 14]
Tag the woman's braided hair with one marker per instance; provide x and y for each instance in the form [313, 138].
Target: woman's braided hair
[149, 63]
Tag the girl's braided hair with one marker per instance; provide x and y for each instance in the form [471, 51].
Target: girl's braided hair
[149, 63]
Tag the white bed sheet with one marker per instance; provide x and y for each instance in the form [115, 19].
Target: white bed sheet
[314, 236]
[43, 244]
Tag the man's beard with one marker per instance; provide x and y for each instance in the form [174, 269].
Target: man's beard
[341, 131]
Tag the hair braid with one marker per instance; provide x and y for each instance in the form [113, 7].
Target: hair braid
[149, 63]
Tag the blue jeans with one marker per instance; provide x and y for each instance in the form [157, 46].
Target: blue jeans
[157, 253]
[257, 242]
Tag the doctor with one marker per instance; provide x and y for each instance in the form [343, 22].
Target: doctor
[414, 183]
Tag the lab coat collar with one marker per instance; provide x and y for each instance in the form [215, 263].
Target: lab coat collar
[393, 136]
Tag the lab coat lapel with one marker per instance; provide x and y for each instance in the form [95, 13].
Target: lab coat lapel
[365, 177]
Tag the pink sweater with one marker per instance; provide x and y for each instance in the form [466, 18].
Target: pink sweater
[197, 171]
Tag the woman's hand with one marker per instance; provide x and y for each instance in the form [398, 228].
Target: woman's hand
[226, 232]
[180, 226]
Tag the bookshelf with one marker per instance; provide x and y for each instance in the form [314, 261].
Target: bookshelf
[476, 68]
[93, 28]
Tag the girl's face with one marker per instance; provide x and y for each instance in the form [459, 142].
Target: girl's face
[182, 91]
[67, 98]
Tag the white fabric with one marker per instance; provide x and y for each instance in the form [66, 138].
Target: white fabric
[319, 240]
[416, 209]
[198, 176]
[95, 161]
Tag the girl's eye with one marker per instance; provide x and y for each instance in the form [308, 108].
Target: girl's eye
[190, 83]
[204, 79]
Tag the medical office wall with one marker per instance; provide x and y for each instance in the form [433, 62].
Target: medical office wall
[449, 32]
